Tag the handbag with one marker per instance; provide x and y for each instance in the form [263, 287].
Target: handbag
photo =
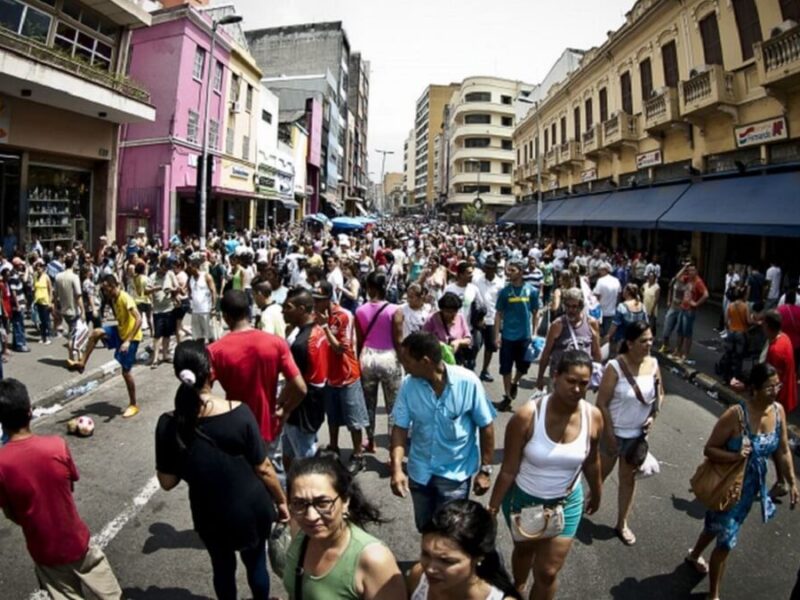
[299, 572]
[280, 538]
[718, 486]
[539, 522]
[637, 452]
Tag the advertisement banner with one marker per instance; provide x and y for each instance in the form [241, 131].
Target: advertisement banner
[763, 132]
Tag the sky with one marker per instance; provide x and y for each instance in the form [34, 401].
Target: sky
[413, 43]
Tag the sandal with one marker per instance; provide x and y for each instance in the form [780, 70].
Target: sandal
[700, 565]
[626, 535]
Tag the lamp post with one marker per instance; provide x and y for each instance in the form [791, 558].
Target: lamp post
[478, 202]
[215, 24]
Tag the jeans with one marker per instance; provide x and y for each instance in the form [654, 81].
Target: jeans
[43, 311]
[429, 498]
[223, 563]
[18, 327]
[735, 346]
[670, 323]
[606, 325]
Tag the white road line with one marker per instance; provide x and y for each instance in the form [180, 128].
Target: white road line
[113, 527]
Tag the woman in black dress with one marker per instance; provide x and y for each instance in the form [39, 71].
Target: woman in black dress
[216, 447]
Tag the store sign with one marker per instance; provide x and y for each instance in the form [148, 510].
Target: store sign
[240, 173]
[762, 132]
[5, 120]
[649, 159]
[588, 175]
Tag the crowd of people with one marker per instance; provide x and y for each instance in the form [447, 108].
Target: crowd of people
[299, 326]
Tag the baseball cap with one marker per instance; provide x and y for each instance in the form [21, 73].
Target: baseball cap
[323, 290]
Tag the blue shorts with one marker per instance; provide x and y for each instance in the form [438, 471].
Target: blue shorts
[297, 443]
[686, 323]
[346, 406]
[516, 499]
[113, 341]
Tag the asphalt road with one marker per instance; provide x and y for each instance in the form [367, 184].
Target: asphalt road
[156, 555]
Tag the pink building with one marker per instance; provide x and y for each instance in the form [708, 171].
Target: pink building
[159, 160]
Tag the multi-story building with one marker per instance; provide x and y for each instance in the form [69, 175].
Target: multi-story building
[64, 95]
[409, 167]
[392, 192]
[481, 119]
[358, 101]
[427, 124]
[673, 114]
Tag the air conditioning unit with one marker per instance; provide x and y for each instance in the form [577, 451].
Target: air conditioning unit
[782, 28]
[236, 107]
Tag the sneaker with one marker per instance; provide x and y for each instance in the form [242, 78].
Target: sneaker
[48, 342]
[131, 411]
[513, 391]
[355, 464]
[486, 377]
[504, 405]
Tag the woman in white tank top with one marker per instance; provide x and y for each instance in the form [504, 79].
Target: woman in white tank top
[548, 445]
[626, 416]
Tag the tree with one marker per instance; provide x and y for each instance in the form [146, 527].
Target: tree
[473, 216]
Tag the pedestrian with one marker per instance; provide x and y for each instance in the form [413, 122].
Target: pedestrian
[310, 351]
[202, 298]
[123, 338]
[790, 322]
[447, 408]
[42, 300]
[489, 286]
[737, 323]
[247, 364]
[163, 287]
[780, 355]
[692, 293]
[630, 397]
[630, 310]
[344, 403]
[215, 446]
[144, 303]
[182, 302]
[549, 443]
[607, 291]
[450, 328]
[271, 319]
[755, 430]
[732, 285]
[515, 324]
[332, 556]
[19, 304]
[472, 308]
[37, 478]
[651, 295]
[412, 315]
[756, 283]
[774, 278]
[69, 295]
[458, 557]
[378, 339]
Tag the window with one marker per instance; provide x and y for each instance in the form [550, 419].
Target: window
[476, 143]
[85, 16]
[507, 145]
[507, 168]
[553, 139]
[505, 190]
[246, 147]
[790, 9]
[646, 75]
[603, 105]
[507, 122]
[218, 77]
[191, 126]
[83, 46]
[199, 63]
[669, 58]
[519, 161]
[266, 116]
[473, 189]
[536, 147]
[478, 97]
[526, 153]
[249, 101]
[213, 134]
[473, 166]
[563, 129]
[626, 92]
[589, 112]
[576, 118]
[477, 119]
[546, 139]
[235, 87]
[229, 140]
[749, 25]
[505, 99]
[24, 20]
[712, 48]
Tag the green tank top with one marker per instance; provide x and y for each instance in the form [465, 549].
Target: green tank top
[339, 582]
[238, 284]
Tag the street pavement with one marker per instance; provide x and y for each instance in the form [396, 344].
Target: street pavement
[147, 533]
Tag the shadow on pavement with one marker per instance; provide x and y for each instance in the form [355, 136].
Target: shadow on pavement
[693, 508]
[164, 536]
[371, 463]
[677, 585]
[157, 593]
[589, 532]
[99, 410]
[54, 362]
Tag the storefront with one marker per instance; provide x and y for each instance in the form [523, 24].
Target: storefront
[58, 204]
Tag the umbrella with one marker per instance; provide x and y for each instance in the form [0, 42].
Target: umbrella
[319, 218]
[347, 224]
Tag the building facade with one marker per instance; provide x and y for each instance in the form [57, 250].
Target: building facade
[698, 94]
[358, 102]
[429, 118]
[64, 95]
[409, 168]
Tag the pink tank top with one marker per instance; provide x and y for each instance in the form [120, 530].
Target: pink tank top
[380, 336]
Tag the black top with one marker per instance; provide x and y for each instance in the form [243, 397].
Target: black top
[310, 413]
[230, 505]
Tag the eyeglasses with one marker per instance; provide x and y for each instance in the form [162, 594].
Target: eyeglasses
[775, 387]
[323, 506]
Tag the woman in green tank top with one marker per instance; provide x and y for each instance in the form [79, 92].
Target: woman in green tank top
[338, 559]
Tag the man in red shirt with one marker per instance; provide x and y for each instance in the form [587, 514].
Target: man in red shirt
[344, 404]
[37, 475]
[247, 363]
[692, 292]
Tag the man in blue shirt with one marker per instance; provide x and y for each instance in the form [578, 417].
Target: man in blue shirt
[514, 325]
[447, 407]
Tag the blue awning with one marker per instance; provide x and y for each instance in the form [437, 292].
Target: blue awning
[755, 205]
[574, 211]
[638, 208]
[548, 208]
[512, 213]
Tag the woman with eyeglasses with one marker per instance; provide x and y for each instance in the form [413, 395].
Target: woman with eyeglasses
[755, 429]
[332, 557]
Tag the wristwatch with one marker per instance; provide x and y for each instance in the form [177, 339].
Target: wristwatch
[486, 470]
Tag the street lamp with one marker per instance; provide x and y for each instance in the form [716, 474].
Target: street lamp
[478, 202]
[215, 24]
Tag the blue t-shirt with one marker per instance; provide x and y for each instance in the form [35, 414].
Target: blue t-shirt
[517, 305]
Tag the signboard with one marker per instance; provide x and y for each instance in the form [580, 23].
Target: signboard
[588, 175]
[5, 120]
[763, 132]
[553, 184]
[649, 159]
[240, 173]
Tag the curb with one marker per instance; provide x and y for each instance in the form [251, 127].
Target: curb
[714, 388]
[61, 393]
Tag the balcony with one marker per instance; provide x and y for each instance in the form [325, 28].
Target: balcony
[662, 110]
[482, 130]
[465, 108]
[551, 159]
[480, 179]
[569, 153]
[592, 141]
[621, 130]
[533, 170]
[491, 153]
[488, 199]
[778, 60]
[707, 92]
[59, 80]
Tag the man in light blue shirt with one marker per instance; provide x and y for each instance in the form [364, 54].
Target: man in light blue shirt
[448, 410]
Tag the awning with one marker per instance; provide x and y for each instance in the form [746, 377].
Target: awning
[512, 213]
[755, 205]
[574, 211]
[529, 217]
[638, 208]
[290, 204]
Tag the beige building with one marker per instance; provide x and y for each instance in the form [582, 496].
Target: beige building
[428, 123]
[480, 157]
[409, 167]
[681, 92]
[393, 186]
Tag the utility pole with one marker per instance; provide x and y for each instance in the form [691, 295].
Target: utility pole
[383, 174]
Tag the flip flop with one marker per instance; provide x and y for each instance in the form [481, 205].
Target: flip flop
[700, 565]
[131, 411]
[629, 539]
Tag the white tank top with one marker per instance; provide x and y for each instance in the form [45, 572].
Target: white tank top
[413, 320]
[421, 593]
[201, 294]
[627, 413]
[548, 468]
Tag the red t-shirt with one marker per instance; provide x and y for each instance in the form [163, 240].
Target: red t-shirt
[36, 477]
[343, 369]
[247, 364]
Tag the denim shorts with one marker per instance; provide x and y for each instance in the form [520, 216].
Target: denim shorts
[113, 342]
[298, 443]
[686, 323]
[430, 497]
[346, 406]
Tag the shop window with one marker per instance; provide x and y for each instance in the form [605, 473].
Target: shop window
[712, 47]
[748, 24]
[213, 134]
[669, 59]
[24, 20]
[192, 125]
[58, 204]
[646, 76]
[603, 95]
[199, 63]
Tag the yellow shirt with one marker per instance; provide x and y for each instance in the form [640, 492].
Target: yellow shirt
[41, 294]
[123, 311]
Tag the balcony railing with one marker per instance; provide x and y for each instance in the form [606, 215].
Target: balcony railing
[59, 60]
[592, 140]
[550, 158]
[778, 59]
[570, 152]
[707, 91]
[619, 129]
[661, 110]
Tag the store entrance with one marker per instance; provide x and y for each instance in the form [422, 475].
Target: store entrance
[9, 197]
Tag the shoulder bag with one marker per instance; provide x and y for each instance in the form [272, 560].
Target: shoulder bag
[717, 485]
[539, 522]
[299, 571]
[597, 367]
[637, 452]
[373, 320]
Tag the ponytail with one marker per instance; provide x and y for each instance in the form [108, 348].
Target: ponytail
[192, 366]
